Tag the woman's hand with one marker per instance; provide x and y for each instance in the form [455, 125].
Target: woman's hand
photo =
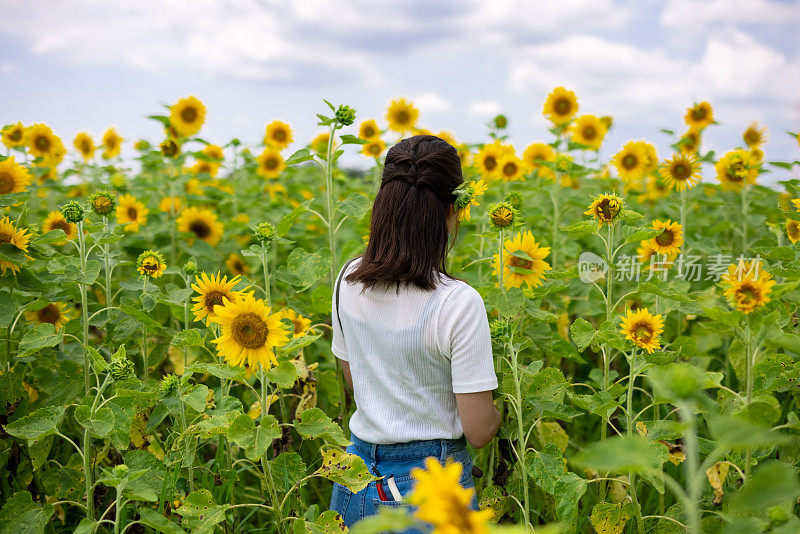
[480, 419]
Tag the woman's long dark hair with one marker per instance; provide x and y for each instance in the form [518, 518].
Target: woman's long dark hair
[408, 233]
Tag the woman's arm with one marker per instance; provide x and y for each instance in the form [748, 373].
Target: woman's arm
[348, 378]
[480, 419]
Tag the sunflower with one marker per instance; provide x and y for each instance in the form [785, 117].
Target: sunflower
[605, 209]
[699, 116]
[56, 156]
[448, 137]
[13, 135]
[401, 115]
[793, 230]
[467, 197]
[170, 203]
[151, 263]
[112, 143]
[669, 241]
[755, 136]
[202, 166]
[55, 313]
[214, 152]
[276, 189]
[249, 332]
[202, 222]
[131, 213]
[369, 130]
[84, 144]
[487, 160]
[757, 154]
[14, 178]
[735, 168]
[503, 215]
[319, 144]
[681, 172]
[374, 148]
[443, 502]
[300, 324]
[747, 285]
[54, 221]
[560, 106]
[646, 251]
[511, 168]
[689, 142]
[187, 116]
[654, 189]
[642, 328]
[651, 155]
[631, 162]
[193, 187]
[40, 140]
[523, 261]
[19, 238]
[278, 135]
[588, 130]
[236, 264]
[534, 154]
[213, 290]
[270, 163]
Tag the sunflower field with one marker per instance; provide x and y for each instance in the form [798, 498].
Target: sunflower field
[166, 361]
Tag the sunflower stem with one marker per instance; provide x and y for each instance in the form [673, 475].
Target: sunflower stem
[265, 265]
[144, 339]
[500, 264]
[270, 482]
[521, 445]
[556, 196]
[744, 216]
[631, 475]
[692, 476]
[107, 269]
[748, 386]
[172, 223]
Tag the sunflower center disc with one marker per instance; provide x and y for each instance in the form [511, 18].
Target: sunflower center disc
[665, 239]
[6, 182]
[132, 213]
[279, 136]
[5, 238]
[490, 163]
[249, 330]
[189, 114]
[562, 106]
[509, 169]
[64, 225]
[48, 314]
[589, 133]
[642, 333]
[402, 117]
[200, 229]
[629, 161]
[747, 294]
[15, 136]
[42, 143]
[214, 298]
[522, 263]
[271, 163]
[680, 171]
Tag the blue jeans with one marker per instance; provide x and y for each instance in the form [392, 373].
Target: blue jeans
[397, 459]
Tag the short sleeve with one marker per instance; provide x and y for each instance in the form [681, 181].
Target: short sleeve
[464, 336]
[338, 345]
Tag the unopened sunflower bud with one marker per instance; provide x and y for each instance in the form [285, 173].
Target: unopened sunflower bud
[121, 470]
[121, 369]
[72, 212]
[169, 385]
[502, 215]
[777, 516]
[500, 122]
[498, 329]
[103, 202]
[118, 181]
[345, 115]
[190, 267]
[515, 199]
[265, 232]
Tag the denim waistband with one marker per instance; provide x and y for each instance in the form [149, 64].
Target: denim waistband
[440, 448]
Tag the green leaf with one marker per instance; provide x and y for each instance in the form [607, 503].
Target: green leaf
[773, 483]
[304, 268]
[188, 338]
[629, 216]
[657, 287]
[314, 423]
[40, 336]
[568, 490]
[328, 522]
[20, 515]
[288, 220]
[98, 361]
[100, 424]
[158, 522]
[196, 397]
[387, 519]
[200, 512]
[53, 236]
[582, 333]
[39, 424]
[299, 156]
[348, 139]
[545, 467]
[345, 468]
[253, 439]
[580, 228]
[284, 374]
[133, 309]
[11, 254]
[622, 454]
[640, 234]
[610, 518]
[287, 470]
[355, 205]
[220, 370]
[735, 432]
[298, 343]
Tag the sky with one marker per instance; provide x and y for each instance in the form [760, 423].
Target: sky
[83, 65]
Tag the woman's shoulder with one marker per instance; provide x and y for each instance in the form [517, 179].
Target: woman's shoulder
[456, 289]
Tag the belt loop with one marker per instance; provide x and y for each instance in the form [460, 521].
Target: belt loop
[443, 451]
[374, 452]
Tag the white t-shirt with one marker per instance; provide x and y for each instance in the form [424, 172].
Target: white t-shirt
[409, 354]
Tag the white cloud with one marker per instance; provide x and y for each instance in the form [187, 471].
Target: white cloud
[701, 13]
[431, 103]
[484, 109]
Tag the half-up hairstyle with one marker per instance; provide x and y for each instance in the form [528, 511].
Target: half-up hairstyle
[408, 240]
